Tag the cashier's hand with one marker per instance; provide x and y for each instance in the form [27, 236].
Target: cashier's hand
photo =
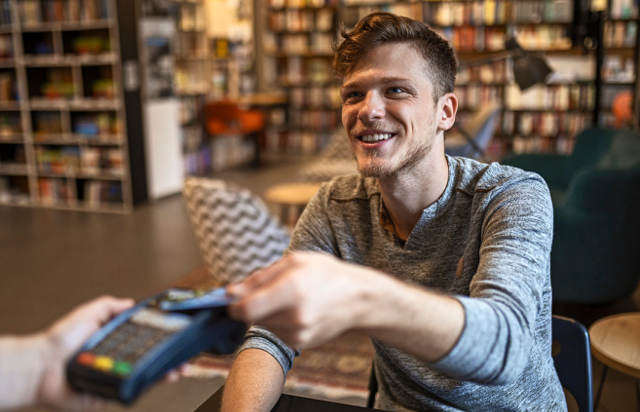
[62, 340]
[305, 298]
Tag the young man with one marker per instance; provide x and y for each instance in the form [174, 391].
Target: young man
[442, 261]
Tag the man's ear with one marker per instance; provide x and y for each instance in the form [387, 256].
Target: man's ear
[448, 108]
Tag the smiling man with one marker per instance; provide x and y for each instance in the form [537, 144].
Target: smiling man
[442, 261]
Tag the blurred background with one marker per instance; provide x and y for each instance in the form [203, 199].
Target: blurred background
[107, 106]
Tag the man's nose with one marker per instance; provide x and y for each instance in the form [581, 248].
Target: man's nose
[372, 108]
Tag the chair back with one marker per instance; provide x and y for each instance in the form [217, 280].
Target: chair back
[222, 110]
[607, 149]
[485, 133]
[573, 360]
[481, 119]
[590, 146]
[478, 132]
[235, 231]
[227, 118]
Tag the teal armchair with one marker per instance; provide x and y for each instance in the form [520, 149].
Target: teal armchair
[595, 256]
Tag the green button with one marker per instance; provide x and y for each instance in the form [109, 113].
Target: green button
[122, 368]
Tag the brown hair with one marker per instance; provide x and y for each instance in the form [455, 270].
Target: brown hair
[377, 29]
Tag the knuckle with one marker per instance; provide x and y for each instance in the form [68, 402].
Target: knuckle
[297, 287]
[292, 258]
[302, 321]
[295, 321]
[255, 278]
[305, 337]
[300, 258]
[294, 290]
[301, 339]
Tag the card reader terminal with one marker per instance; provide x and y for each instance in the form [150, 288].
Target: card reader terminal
[139, 346]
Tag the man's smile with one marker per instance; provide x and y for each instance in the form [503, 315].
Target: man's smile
[374, 136]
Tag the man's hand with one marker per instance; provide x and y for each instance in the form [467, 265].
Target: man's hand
[62, 340]
[305, 298]
[309, 298]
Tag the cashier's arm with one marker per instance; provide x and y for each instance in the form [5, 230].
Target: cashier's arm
[32, 368]
[254, 383]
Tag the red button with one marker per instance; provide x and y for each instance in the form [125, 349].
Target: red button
[86, 358]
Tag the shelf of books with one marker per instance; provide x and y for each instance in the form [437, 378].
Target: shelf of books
[215, 60]
[193, 82]
[299, 53]
[62, 137]
[620, 40]
[544, 118]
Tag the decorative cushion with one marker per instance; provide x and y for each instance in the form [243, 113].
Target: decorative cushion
[235, 230]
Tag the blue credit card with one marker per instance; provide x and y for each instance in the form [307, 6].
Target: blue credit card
[213, 299]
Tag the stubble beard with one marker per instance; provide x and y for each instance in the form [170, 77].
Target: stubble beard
[382, 170]
[409, 161]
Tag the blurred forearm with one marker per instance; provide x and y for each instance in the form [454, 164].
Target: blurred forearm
[254, 384]
[22, 365]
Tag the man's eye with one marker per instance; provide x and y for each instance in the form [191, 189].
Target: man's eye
[351, 96]
[396, 90]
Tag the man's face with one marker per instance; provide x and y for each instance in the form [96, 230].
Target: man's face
[388, 111]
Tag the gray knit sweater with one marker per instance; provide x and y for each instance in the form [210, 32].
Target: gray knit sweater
[486, 241]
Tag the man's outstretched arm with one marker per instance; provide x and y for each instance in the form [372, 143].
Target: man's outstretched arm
[309, 298]
[254, 384]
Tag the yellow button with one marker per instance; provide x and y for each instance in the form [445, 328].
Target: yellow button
[104, 363]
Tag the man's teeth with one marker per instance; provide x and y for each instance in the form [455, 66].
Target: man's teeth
[370, 138]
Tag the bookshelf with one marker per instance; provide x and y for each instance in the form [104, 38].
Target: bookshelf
[63, 125]
[215, 61]
[544, 118]
[620, 39]
[193, 82]
[298, 50]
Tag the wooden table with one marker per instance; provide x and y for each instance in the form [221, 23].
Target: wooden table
[288, 403]
[615, 341]
[291, 199]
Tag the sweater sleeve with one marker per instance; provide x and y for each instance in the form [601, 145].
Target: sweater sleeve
[312, 233]
[506, 292]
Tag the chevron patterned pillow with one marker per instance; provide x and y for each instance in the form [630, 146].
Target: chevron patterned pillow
[235, 230]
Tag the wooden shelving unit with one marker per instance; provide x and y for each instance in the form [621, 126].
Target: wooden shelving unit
[546, 118]
[299, 53]
[63, 117]
[193, 82]
[211, 65]
[620, 39]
